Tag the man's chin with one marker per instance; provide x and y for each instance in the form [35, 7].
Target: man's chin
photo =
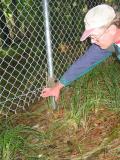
[103, 47]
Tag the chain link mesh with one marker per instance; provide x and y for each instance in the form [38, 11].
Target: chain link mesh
[23, 57]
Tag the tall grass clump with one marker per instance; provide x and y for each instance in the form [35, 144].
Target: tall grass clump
[17, 142]
[99, 88]
[111, 91]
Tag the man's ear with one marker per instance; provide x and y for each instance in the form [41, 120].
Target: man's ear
[112, 29]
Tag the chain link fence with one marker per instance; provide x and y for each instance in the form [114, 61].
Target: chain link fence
[23, 54]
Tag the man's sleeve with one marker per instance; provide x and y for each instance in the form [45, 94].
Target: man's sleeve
[92, 57]
[117, 51]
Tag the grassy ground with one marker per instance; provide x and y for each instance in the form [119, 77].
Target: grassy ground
[85, 126]
[63, 139]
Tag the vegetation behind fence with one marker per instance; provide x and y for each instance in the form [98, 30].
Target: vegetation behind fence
[23, 56]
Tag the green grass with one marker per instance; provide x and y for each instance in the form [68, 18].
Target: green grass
[56, 135]
[100, 87]
[18, 142]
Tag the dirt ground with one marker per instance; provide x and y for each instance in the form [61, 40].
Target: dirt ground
[98, 139]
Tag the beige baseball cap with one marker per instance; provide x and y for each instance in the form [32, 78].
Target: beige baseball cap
[96, 17]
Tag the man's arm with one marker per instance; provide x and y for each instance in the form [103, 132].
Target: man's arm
[92, 57]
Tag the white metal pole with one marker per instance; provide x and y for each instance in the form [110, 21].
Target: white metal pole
[48, 44]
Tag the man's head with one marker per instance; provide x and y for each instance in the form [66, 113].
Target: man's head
[99, 26]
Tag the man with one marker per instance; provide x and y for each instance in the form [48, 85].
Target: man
[102, 26]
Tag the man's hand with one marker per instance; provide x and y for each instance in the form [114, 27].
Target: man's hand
[54, 91]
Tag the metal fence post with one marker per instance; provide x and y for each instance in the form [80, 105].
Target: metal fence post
[25, 46]
[48, 45]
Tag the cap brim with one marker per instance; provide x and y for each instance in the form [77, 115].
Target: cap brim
[86, 34]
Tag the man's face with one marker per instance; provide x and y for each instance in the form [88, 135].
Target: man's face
[102, 37]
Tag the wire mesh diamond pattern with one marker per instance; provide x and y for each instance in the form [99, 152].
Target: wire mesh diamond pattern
[23, 57]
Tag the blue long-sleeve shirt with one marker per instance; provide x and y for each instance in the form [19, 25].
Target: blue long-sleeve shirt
[92, 57]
